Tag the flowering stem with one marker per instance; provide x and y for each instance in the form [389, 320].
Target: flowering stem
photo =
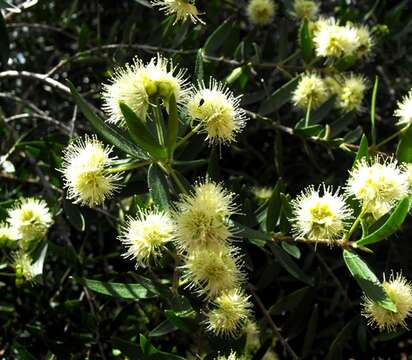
[192, 132]
[355, 224]
[393, 136]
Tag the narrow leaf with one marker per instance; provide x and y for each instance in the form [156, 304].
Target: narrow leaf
[118, 290]
[363, 151]
[404, 149]
[215, 41]
[306, 43]
[367, 280]
[158, 187]
[279, 97]
[140, 135]
[391, 225]
[373, 110]
[274, 206]
[108, 132]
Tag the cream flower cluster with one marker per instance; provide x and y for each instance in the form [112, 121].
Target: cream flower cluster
[180, 9]
[261, 12]
[335, 41]
[86, 172]
[320, 214]
[139, 85]
[217, 110]
[378, 185]
[27, 224]
[213, 107]
[211, 263]
[29, 220]
[146, 236]
[404, 110]
[305, 9]
[199, 227]
[399, 291]
[313, 90]
[323, 214]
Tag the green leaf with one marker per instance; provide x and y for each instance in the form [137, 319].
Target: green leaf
[158, 187]
[140, 135]
[152, 353]
[119, 290]
[310, 332]
[404, 149]
[290, 302]
[311, 130]
[363, 151]
[391, 225]
[274, 206]
[279, 97]
[38, 260]
[248, 233]
[183, 320]
[306, 43]
[218, 37]
[291, 249]
[164, 328]
[337, 345]
[367, 280]
[4, 43]
[74, 215]
[172, 126]
[108, 132]
[373, 110]
[289, 265]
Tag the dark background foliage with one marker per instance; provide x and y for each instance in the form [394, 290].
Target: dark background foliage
[66, 39]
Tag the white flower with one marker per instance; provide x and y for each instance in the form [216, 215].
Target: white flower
[231, 313]
[333, 40]
[217, 110]
[377, 185]
[312, 90]
[404, 110]
[125, 86]
[146, 236]
[319, 216]
[366, 41]
[8, 235]
[22, 264]
[86, 173]
[30, 219]
[351, 93]
[399, 291]
[261, 12]
[201, 217]
[212, 271]
[305, 9]
[140, 85]
[181, 9]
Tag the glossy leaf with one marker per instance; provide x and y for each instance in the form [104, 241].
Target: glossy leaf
[306, 43]
[404, 149]
[363, 151]
[391, 225]
[367, 280]
[279, 97]
[140, 135]
[289, 265]
[119, 290]
[158, 187]
[274, 206]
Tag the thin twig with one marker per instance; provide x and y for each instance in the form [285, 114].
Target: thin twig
[41, 117]
[272, 324]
